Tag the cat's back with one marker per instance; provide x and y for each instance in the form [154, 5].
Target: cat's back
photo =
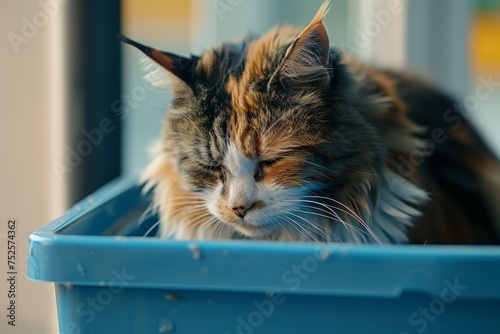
[459, 170]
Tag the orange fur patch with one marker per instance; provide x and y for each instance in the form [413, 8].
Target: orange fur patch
[162, 59]
[285, 171]
[257, 65]
[174, 202]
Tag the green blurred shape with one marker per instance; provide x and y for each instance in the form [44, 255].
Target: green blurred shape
[488, 5]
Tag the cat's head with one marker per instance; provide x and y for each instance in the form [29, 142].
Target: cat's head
[257, 127]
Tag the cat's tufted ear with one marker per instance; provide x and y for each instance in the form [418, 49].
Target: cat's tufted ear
[183, 68]
[306, 60]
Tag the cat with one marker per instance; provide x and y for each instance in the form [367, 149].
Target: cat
[282, 137]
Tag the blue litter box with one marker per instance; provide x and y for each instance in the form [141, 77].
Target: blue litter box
[110, 279]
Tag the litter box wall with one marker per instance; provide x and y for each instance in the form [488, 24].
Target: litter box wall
[110, 279]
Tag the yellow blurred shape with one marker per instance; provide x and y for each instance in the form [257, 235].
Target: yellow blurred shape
[156, 9]
[485, 42]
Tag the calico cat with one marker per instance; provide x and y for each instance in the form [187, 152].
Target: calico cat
[284, 138]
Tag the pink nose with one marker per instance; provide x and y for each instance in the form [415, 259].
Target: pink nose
[241, 211]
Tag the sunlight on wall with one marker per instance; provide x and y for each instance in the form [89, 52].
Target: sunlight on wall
[26, 177]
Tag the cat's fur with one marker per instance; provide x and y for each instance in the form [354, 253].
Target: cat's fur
[282, 137]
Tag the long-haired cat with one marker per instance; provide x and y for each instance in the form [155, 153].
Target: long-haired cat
[284, 138]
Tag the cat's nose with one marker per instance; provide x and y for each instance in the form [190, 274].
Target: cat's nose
[241, 210]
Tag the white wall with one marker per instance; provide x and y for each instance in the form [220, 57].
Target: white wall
[27, 183]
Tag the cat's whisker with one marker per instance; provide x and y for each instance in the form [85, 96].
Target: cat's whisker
[212, 225]
[220, 228]
[275, 221]
[196, 227]
[361, 222]
[330, 207]
[181, 207]
[216, 231]
[329, 231]
[267, 219]
[345, 224]
[328, 215]
[149, 230]
[199, 215]
[186, 200]
[298, 228]
[183, 212]
[238, 234]
[300, 225]
[186, 206]
[369, 230]
[182, 202]
[149, 212]
[354, 214]
[209, 223]
[311, 224]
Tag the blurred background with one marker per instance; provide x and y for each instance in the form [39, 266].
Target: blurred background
[76, 111]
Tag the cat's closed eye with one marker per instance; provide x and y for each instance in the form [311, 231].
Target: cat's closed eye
[263, 167]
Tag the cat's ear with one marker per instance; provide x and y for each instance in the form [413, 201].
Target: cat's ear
[181, 67]
[307, 59]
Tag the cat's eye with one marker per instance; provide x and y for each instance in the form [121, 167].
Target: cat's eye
[263, 168]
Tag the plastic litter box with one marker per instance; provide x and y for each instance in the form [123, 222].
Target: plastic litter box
[110, 279]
